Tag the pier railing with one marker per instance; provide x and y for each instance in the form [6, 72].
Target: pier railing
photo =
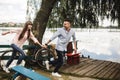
[7, 47]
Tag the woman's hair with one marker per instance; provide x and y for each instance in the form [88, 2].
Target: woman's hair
[25, 29]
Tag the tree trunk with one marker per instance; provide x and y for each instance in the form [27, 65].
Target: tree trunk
[118, 10]
[40, 22]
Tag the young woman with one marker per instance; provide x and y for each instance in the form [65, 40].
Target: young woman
[21, 36]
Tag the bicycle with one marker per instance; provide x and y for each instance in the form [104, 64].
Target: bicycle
[39, 56]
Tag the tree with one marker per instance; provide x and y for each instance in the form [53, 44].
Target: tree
[84, 13]
[42, 17]
[77, 10]
[61, 9]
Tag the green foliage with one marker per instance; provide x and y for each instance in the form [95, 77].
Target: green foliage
[83, 13]
[77, 10]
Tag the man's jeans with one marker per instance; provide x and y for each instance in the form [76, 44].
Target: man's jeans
[59, 61]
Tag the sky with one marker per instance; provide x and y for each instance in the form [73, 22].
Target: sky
[13, 10]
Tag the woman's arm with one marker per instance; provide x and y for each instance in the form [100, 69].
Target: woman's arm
[7, 32]
[34, 39]
[11, 31]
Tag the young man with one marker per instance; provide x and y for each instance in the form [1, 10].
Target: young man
[64, 35]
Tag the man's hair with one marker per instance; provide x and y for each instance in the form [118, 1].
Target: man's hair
[67, 19]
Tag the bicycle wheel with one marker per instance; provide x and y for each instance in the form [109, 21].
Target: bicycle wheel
[42, 55]
[5, 57]
[30, 58]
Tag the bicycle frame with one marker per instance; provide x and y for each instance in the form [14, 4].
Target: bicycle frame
[38, 56]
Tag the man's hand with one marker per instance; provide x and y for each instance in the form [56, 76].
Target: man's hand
[75, 50]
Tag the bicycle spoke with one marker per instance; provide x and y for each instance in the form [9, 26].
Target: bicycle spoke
[42, 55]
[4, 58]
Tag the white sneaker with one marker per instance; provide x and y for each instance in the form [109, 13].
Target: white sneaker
[56, 74]
[47, 64]
[6, 69]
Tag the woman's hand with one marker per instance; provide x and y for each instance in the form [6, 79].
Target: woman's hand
[4, 33]
[43, 46]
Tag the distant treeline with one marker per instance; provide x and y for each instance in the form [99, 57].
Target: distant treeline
[10, 24]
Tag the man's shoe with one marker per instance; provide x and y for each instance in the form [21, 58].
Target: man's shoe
[56, 74]
[6, 69]
[47, 64]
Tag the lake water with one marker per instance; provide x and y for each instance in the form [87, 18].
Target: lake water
[103, 44]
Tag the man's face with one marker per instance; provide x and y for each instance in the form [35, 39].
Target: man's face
[66, 24]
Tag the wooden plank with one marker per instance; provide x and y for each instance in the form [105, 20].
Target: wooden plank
[110, 70]
[69, 68]
[88, 60]
[106, 72]
[89, 68]
[117, 77]
[96, 69]
[73, 67]
[101, 69]
[115, 72]
[84, 66]
[83, 59]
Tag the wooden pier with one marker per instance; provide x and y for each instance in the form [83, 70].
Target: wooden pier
[98, 69]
